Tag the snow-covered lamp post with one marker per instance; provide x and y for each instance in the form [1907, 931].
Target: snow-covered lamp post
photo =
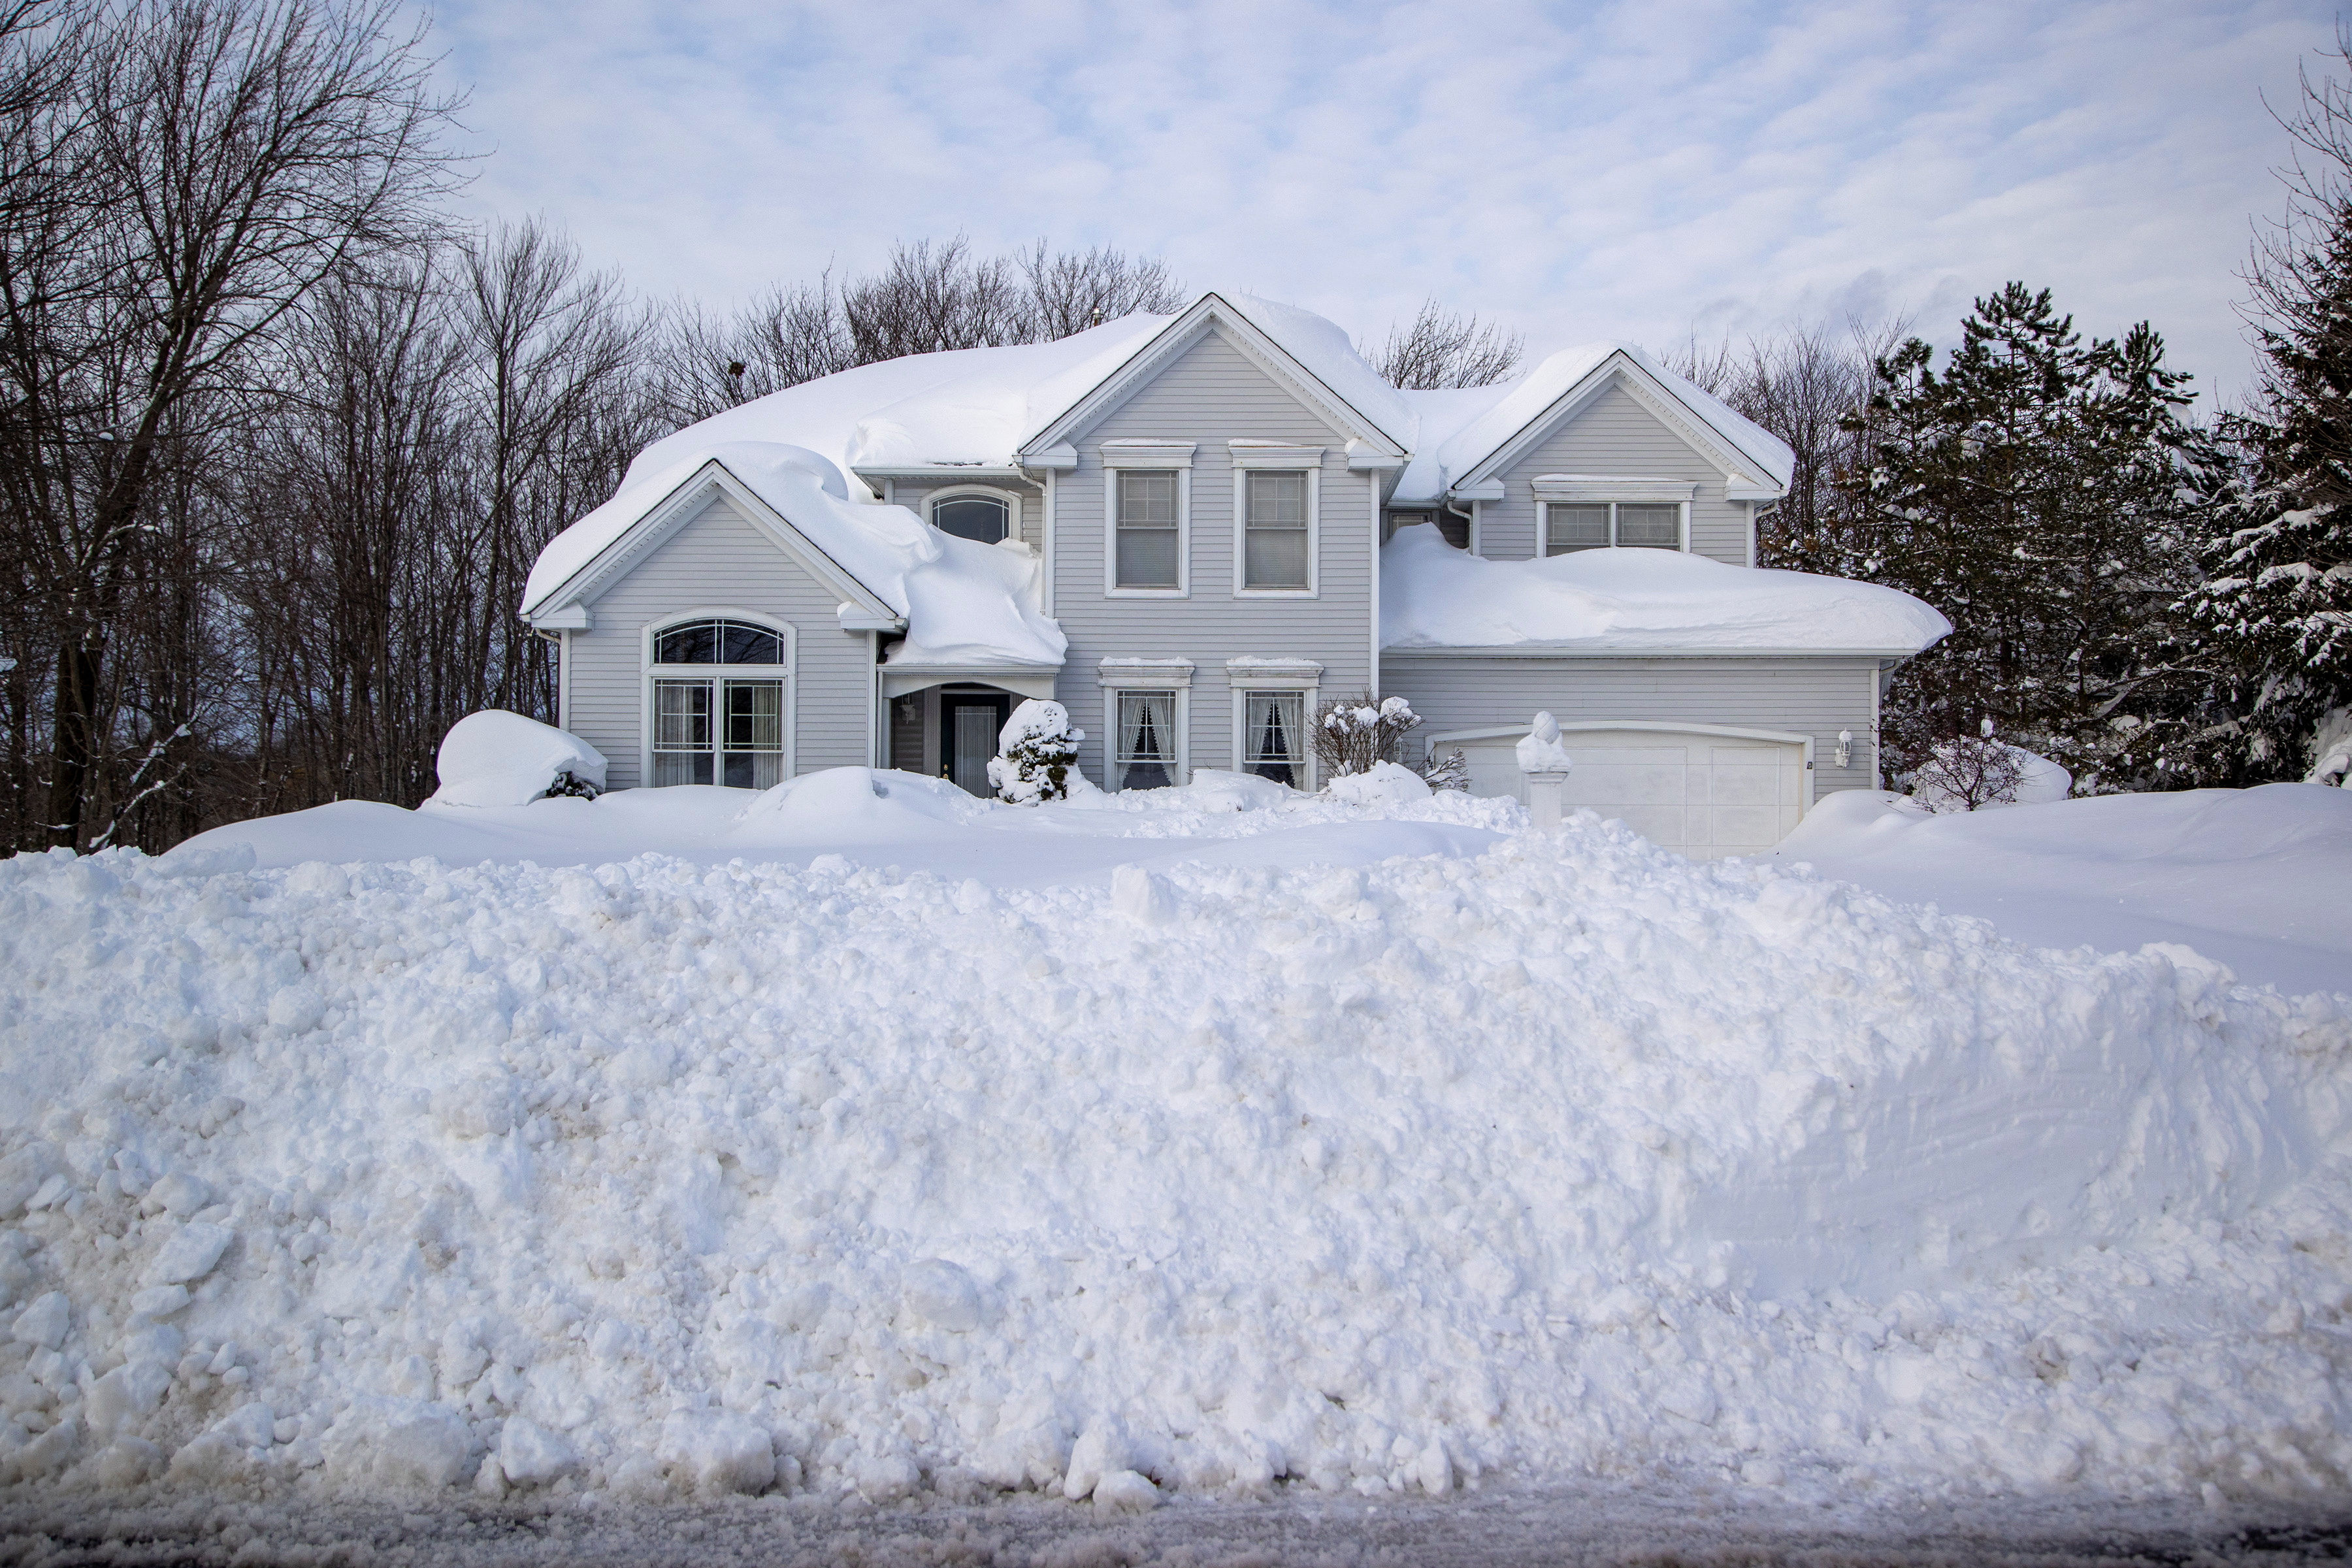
[1545, 763]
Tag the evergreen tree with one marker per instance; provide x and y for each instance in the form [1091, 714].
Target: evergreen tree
[2275, 610]
[2034, 492]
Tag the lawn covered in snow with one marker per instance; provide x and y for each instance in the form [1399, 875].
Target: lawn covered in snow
[875, 1139]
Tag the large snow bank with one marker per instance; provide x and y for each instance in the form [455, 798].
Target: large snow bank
[497, 758]
[2253, 879]
[1434, 595]
[1570, 1158]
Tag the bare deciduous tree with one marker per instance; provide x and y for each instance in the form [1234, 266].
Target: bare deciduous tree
[1446, 348]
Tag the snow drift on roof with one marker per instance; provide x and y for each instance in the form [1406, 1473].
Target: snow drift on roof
[1511, 405]
[1434, 595]
[1323, 350]
[966, 603]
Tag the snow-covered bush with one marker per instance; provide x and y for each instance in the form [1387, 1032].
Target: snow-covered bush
[1451, 770]
[498, 758]
[1353, 733]
[1970, 773]
[1037, 753]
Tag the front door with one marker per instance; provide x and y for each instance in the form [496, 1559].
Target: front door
[969, 725]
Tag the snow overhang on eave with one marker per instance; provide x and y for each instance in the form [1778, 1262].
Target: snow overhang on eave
[1573, 650]
[1029, 680]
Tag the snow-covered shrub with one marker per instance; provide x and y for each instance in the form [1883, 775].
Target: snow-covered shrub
[498, 758]
[1037, 751]
[1352, 735]
[1451, 770]
[1969, 772]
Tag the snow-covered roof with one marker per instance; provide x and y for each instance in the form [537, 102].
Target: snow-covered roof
[980, 408]
[1609, 601]
[1461, 430]
[964, 602]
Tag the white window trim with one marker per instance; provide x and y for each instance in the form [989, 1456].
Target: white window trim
[990, 492]
[1247, 675]
[1118, 675]
[649, 672]
[1252, 457]
[1158, 457]
[1543, 522]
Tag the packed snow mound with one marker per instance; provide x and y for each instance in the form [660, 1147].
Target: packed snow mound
[498, 758]
[1572, 1158]
[2253, 879]
[1384, 783]
[1434, 595]
[853, 806]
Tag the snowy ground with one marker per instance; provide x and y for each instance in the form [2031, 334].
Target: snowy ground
[879, 1145]
[2254, 879]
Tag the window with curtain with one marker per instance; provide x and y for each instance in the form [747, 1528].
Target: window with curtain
[727, 732]
[1275, 535]
[983, 519]
[1595, 525]
[1146, 753]
[1148, 542]
[1274, 736]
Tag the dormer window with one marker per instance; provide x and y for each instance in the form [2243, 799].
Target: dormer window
[1600, 511]
[984, 520]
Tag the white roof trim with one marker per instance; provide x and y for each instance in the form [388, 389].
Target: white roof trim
[1586, 650]
[1209, 311]
[673, 510]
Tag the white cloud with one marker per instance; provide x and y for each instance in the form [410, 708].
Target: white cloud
[1631, 169]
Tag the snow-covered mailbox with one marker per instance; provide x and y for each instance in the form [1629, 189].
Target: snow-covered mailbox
[1546, 762]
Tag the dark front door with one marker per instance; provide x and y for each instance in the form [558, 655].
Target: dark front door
[969, 726]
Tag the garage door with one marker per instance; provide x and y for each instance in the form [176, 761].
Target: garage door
[1700, 792]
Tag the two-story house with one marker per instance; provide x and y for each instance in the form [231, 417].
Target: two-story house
[1192, 529]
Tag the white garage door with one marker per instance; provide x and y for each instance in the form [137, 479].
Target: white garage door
[1700, 792]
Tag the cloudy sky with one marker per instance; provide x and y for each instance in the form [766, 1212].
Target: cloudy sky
[1638, 170]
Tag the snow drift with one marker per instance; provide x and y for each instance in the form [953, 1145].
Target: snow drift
[494, 758]
[1434, 595]
[1569, 1157]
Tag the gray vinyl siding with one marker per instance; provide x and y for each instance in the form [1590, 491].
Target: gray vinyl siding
[1816, 696]
[913, 494]
[1210, 395]
[719, 560]
[1613, 434]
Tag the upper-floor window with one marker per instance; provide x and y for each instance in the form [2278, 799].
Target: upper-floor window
[1277, 545]
[984, 519]
[1148, 547]
[1596, 525]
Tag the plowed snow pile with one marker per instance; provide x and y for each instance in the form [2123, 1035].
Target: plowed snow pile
[1564, 1158]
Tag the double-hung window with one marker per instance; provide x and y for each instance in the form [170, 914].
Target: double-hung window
[1596, 525]
[1148, 547]
[1274, 736]
[718, 704]
[1144, 749]
[1275, 535]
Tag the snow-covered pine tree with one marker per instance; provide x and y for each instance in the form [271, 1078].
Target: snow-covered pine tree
[2033, 491]
[2275, 614]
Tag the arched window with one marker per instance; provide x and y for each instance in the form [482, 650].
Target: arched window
[981, 517]
[719, 642]
[718, 710]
